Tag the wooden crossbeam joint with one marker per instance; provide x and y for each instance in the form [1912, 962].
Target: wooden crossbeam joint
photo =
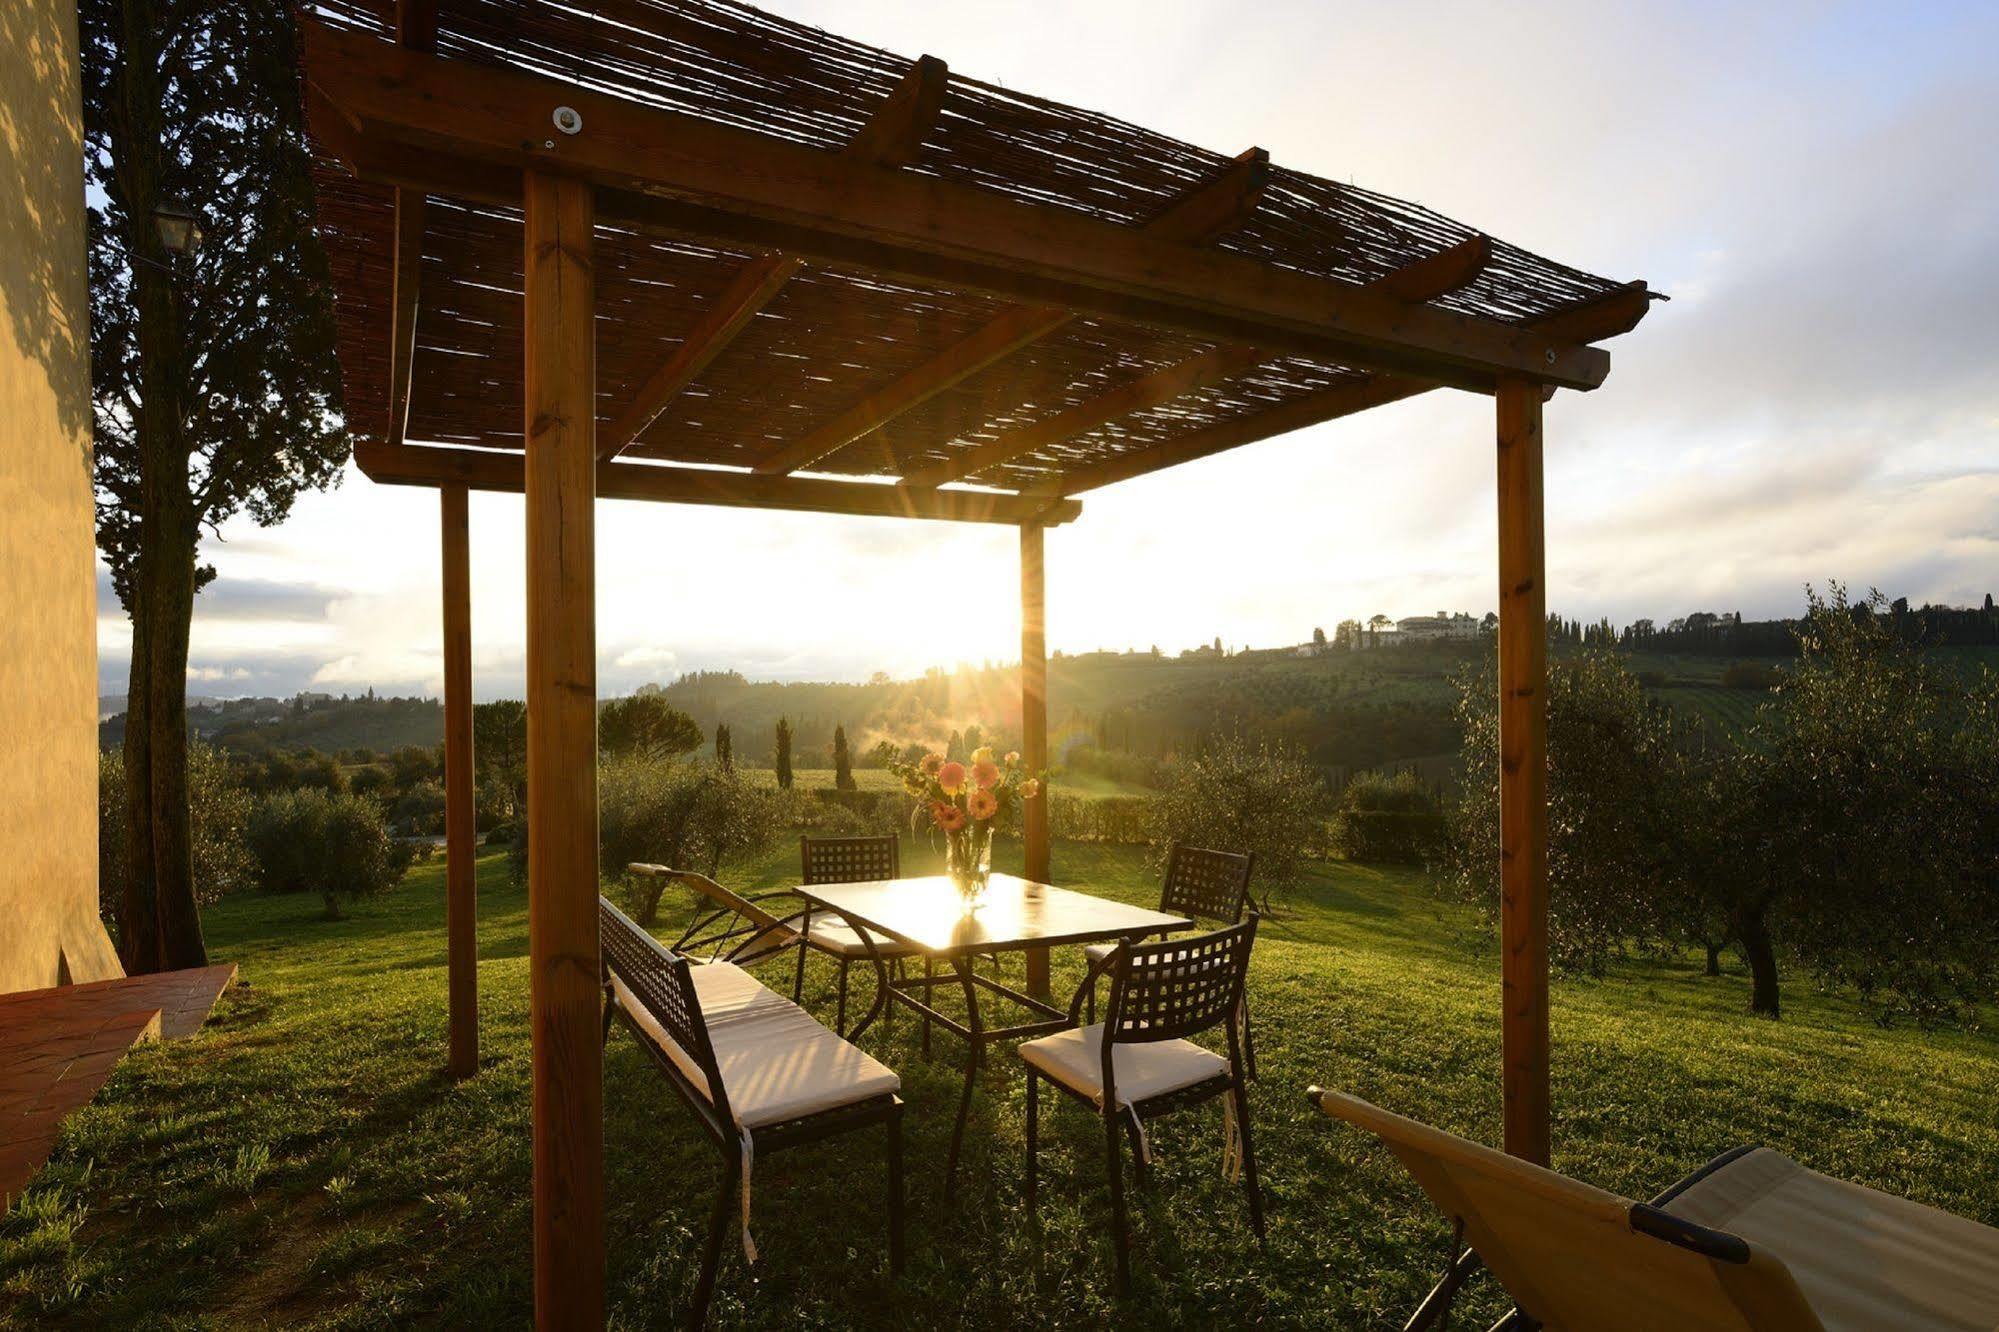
[1218, 205]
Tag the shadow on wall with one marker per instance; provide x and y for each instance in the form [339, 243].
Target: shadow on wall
[39, 116]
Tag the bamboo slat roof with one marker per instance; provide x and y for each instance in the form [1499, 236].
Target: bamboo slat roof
[837, 349]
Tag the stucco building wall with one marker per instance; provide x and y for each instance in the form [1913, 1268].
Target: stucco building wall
[49, 930]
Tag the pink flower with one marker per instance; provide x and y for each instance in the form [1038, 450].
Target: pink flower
[930, 764]
[1030, 788]
[1012, 757]
[985, 774]
[982, 804]
[949, 817]
[951, 777]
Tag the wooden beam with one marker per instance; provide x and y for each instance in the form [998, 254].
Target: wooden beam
[752, 288]
[994, 341]
[1616, 312]
[1523, 773]
[1312, 409]
[498, 470]
[461, 835]
[891, 137]
[416, 30]
[757, 189]
[1439, 274]
[1201, 214]
[1142, 394]
[894, 134]
[1607, 316]
[406, 269]
[1217, 206]
[565, 982]
[1034, 724]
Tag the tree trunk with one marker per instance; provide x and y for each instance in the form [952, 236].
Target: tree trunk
[170, 607]
[1714, 957]
[163, 580]
[138, 918]
[1754, 936]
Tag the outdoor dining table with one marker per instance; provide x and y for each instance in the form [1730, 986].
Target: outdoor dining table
[1015, 914]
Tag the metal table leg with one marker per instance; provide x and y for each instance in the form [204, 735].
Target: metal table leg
[975, 1046]
[881, 984]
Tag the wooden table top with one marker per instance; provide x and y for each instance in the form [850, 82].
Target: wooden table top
[1015, 913]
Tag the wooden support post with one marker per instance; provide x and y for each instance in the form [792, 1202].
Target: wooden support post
[461, 900]
[565, 985]
[1034, 723]
[1523, 771]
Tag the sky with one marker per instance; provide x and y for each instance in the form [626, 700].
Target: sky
[1816, 186]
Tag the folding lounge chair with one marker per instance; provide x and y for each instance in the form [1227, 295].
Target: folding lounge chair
[1750, 1242]
[757, 1071]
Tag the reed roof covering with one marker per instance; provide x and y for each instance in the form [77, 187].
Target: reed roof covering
[848, 367]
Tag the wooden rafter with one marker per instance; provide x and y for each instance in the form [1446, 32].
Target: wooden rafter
[1197, 216]
[1607, 316]
[994, 341]
[755, 283]
[416, 30]
[890, 138]
[498, 470]
[1216, 206]
[1439, 274]
[1142, 394]
[895, 132]
[749, 188]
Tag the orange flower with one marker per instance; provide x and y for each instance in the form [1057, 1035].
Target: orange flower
[951, 777]
[930, 764]
[949, 817]
[986, 774]
[982, 804]
[1030, 788]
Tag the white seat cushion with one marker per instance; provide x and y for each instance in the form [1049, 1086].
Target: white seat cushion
[1076, 1060]
[1097, 952]
[1863, 1258]
[837, 936]
[777, 1063]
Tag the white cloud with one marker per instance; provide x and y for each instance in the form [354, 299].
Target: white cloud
[1817, 186]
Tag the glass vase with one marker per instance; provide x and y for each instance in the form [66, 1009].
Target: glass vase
[968, 863]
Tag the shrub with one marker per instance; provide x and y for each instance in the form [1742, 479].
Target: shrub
[219, 809]
[1119, 820]
[1756, 675]
[338, 846]
[420, 811]
[1388, 819]
[1240, 796]
[688, 815]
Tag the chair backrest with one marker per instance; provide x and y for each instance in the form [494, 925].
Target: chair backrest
[1178, 987]
[754, 932]
[1206, 885]
[659, 980]
[849, 859]
[1573, 1256]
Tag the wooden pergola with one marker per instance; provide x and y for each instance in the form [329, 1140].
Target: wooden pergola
[684, 251]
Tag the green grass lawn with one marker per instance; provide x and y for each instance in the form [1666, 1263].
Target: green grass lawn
[303, 1162]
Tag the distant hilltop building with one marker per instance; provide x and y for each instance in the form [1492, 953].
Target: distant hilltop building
[1441, 627]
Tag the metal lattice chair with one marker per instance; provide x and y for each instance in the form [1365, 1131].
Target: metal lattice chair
[1210, 886]
[845, 860]
[1138, 1064]
[757, 1071]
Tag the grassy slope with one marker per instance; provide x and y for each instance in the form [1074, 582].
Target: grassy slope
[302, 1161]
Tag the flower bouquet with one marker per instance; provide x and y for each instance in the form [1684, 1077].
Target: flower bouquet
[967, 803]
